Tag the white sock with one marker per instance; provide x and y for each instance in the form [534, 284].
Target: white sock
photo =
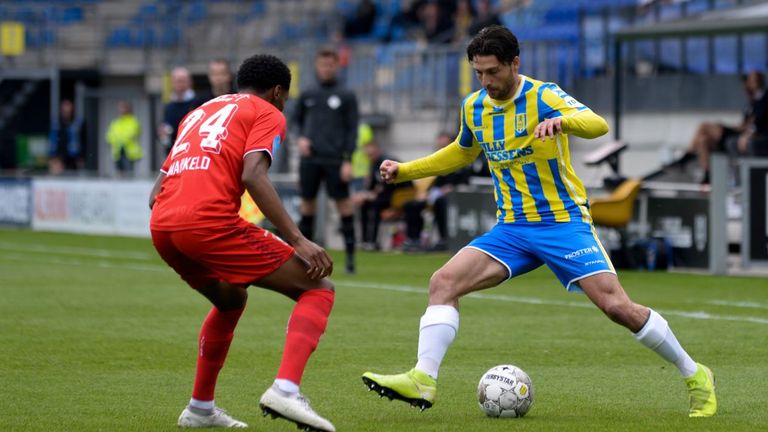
[657, 336]
[437, 329]
[287, 386]
[201, 405]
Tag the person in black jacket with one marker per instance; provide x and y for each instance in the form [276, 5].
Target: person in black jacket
[183, 100]
[326, 121]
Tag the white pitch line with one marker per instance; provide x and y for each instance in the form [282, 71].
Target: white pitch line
[741, 304]
[701, 315]
[539, 301]
[71, 250]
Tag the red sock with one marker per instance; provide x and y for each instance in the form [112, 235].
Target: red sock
[215, 337]
[305, 327]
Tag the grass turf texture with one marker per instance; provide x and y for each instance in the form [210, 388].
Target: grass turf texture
[97, 334]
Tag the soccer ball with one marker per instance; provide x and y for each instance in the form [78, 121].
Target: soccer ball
[505, 391]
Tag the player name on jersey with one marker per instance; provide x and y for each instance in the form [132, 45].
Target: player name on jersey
[190, 163]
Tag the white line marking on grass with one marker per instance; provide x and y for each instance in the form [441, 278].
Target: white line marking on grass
[71, 250]
[386, 287]
[539, 301]
[80, 263]
[741, 304]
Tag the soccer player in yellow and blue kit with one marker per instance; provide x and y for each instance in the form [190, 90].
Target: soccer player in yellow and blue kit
[521, 125]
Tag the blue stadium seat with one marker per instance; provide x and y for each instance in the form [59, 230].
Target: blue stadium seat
[197, 12]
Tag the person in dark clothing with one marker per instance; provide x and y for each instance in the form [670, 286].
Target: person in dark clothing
[434, 199]
[376, 198]
[67, 141]
[182, 101]
[361, 23]
[715, 137]
[325, 120]
[754, 140]
[485, 17]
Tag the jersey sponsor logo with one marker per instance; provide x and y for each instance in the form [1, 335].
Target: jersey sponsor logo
[521, 121]
[593, 262]
[496, 152]
[191, 163]
[581, 252]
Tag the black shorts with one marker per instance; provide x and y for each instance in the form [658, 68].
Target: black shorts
[312, 173]
[727, 139]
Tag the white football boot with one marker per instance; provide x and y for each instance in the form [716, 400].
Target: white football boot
[293, 407]
[219, 418]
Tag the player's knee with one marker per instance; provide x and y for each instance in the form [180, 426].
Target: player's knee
[441, 284]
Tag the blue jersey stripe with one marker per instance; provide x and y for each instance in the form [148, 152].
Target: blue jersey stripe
[521, 108]
[562, 192]
[546, 111]
[534, 185]
[477, 117]
[465, 139]
[499, 197]
[515, 196]
[498, 127]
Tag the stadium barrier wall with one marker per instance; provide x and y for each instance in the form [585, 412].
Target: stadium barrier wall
[16, 203]
[91, 206]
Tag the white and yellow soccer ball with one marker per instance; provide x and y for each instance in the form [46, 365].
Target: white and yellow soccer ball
[505, 391]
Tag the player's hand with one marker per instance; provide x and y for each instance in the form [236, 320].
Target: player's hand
[346, 171]
[305, 146]
[548, 128]
[388, 170]
[319, 264]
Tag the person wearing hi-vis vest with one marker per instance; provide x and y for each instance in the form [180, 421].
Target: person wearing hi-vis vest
[123, 137]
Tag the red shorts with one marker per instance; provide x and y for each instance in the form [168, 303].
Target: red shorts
[239, 254]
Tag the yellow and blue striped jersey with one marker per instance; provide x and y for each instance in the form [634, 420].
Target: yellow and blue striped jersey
[533, 179]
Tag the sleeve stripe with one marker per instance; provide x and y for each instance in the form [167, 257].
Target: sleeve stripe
[164, 172]
[258, 150]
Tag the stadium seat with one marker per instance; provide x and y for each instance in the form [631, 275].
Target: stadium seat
[616, 209]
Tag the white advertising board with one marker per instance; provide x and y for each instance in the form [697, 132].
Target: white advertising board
[91, 206]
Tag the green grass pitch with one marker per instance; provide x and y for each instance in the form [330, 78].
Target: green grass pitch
[97, 334]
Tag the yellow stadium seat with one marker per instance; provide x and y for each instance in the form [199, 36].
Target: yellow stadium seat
[616, 209]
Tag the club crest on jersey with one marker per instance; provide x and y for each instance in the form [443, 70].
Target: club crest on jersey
[521, 121]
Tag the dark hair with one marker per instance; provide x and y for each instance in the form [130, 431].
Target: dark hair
[327, 51]
[758, 76]
[262, 72]
[494, 40]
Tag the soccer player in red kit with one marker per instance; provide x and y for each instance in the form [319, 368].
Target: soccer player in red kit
[223, 148]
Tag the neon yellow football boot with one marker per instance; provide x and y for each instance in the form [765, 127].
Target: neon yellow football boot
[701, 393]
[414, 387]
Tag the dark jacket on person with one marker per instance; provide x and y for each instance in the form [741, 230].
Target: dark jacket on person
[760, 121]
[327, 115]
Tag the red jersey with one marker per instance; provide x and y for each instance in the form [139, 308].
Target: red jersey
[203, 185]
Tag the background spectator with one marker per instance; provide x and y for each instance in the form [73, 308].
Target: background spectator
[361, 23]
[754, 140]
[182, 101]
[433, 199]
[66, 142]
[717, 137]
[485, 17]
[376, 198]
[325, 120]
[220, 80]
[123, 137]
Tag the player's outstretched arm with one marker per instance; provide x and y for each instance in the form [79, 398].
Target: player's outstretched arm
[444, 161]
[585, 124]
[265, 196]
